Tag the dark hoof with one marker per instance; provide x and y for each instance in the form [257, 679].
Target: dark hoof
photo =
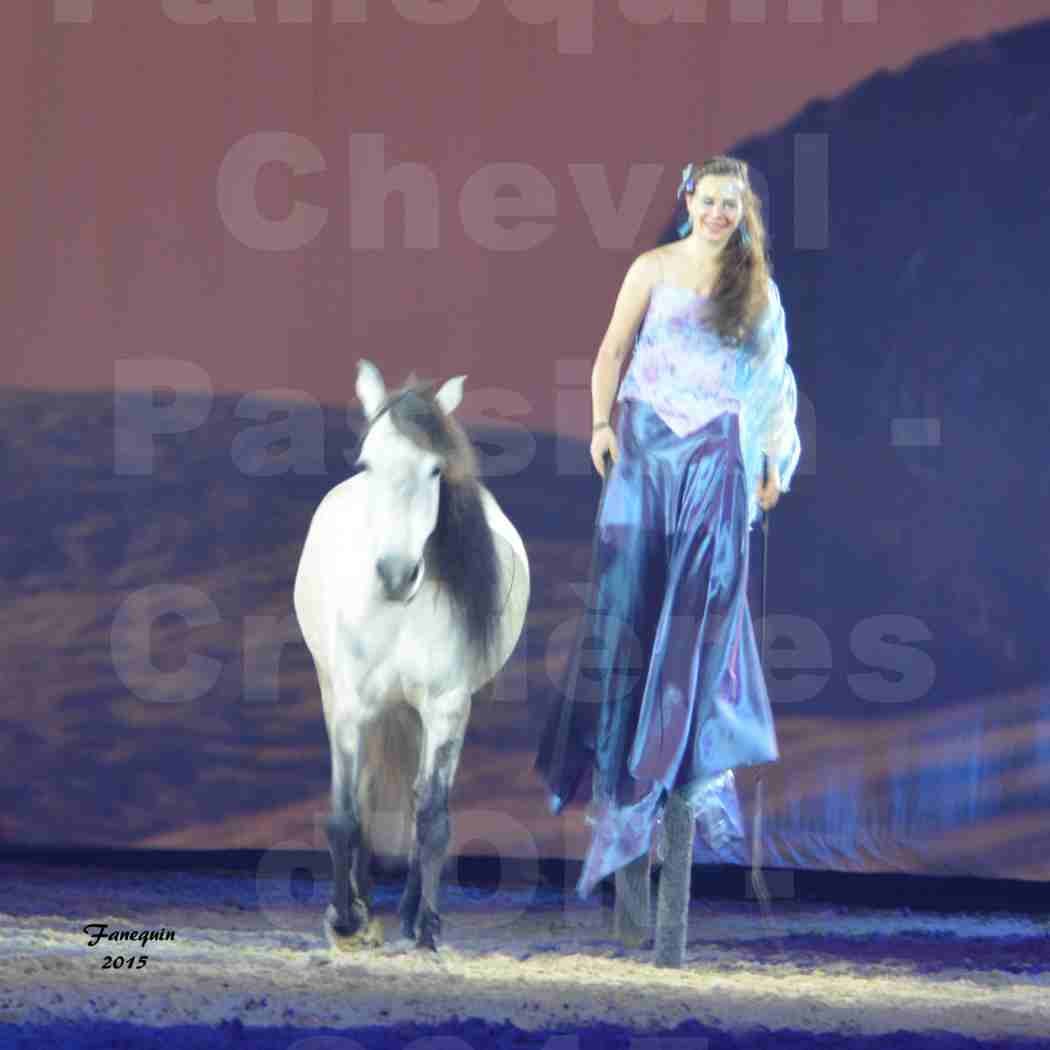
[633, 938]
[344, 938]
[429, 929]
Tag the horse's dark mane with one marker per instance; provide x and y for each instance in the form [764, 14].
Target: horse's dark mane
[461, 551]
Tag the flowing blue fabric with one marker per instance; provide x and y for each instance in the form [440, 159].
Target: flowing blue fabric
[665, 690]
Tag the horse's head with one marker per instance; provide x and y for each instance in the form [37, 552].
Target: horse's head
[410, 447]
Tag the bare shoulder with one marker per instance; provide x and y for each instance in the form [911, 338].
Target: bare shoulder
[644, 272]
[632, 302]
[633, 298]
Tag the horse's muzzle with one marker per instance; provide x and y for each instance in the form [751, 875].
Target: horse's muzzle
[400, 577]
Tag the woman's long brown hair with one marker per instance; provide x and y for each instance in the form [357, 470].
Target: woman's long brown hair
[741, 291]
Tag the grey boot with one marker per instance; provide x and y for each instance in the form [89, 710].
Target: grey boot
[672, 906]
[632, 918]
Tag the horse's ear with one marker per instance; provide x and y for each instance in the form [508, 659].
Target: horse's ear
[371, 390]
[450, 394]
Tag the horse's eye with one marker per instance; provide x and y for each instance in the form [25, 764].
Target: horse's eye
[435, 470]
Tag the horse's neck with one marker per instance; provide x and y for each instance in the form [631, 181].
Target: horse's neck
[499, 523]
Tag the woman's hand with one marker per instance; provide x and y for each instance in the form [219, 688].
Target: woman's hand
[769, 491]
[603, 440]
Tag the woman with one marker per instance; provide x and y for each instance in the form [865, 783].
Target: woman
[705, 437]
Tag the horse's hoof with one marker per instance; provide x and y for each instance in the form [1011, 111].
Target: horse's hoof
[429, 930]
[427, 941]
[370, 935]
[634, 939]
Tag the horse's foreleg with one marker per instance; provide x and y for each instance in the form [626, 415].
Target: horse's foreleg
[408, 909]
[344, 833]
[361, 875]
[348, 923]
[442, 743]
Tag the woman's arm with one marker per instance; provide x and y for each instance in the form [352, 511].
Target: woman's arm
[771, 403]
[631, 304]
[780, 440]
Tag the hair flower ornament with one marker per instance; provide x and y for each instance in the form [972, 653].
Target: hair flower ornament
[687, 183]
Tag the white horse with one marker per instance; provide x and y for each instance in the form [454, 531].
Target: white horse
[411, 594]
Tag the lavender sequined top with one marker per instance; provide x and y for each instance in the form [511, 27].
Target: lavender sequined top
[682, 368]
[679, 365]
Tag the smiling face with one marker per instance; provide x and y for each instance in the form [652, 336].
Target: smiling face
[716, 207]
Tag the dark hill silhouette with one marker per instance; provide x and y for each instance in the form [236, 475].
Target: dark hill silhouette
[929, 301]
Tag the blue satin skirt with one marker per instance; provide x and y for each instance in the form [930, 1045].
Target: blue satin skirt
[664, 689]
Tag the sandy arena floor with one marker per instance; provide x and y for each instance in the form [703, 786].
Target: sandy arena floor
[251, 949]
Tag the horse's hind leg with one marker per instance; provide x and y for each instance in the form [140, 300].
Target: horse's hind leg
[443, 733]
[348, 922]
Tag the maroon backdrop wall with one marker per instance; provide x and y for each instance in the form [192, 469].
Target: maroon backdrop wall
[199, 205]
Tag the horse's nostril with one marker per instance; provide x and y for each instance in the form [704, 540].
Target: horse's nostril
[395, 578]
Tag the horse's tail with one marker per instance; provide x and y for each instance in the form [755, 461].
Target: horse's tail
[391, 752]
